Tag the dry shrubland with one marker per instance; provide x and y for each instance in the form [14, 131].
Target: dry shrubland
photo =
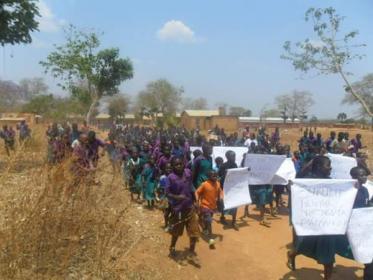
[51, 229]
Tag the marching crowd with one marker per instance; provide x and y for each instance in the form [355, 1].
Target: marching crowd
[159, 169]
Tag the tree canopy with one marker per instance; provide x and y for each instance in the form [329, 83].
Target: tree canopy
[160, 96]
[194, 104]
[79, 62]
[330, 52]
[118, 106]
[365, 89]
[294, 105]
[239, 111]
[17, 21]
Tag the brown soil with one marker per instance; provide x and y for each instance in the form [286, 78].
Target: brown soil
[253, 252]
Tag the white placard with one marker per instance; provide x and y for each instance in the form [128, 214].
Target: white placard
[322, 206]
[263, 167]
[285, 173]
[236, 188]
[369, 186]
[341, 166]
[359, 233]
[220, 152]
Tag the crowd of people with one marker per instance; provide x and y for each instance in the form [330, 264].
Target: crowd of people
[160, 170]
[8, 134]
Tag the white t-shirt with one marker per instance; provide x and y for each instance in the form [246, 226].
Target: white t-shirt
[75, 143]
[249, 141]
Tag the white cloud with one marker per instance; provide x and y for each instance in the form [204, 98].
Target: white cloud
[48, 22]
[176, 31]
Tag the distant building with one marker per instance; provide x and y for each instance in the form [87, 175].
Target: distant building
[15, 118]
[268, 122]
[208, 119]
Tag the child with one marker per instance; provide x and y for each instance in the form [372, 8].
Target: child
[163, 202]
[218, 163]
[362, 200]
[230, 163]
[202, 165]
[149, 176]
[183, 214]
[207, 196]
[135, 164]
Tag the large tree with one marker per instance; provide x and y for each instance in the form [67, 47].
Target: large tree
[10, 94]
[32, 87]
[17, 21]
[294, 105]
[329, 53]
[365, 89]
[239, 111]
[118, 106]
[159, 97]
[79, 60]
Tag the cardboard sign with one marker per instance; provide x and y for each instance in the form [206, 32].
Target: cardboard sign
[322, 206]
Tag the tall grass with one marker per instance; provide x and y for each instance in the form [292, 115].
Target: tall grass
[53, 229]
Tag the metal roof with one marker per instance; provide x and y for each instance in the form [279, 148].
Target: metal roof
[202, 113]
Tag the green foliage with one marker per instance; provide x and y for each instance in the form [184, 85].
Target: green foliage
[88, 74]
[40, 104]
[49, 106]
[110, 70]
[159, 96]
[365, 89]
[239, 111]
[329, 53]
[342, 117]
[17, 21]
[118, 106]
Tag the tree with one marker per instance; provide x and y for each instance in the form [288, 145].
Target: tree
[194, 104]
[78, 61]
[118, 106]
[342, 117]
[32, 87]
[330, 53]
[10, 94]
[270, 113]
[40, 104]
[17, 21]
[365, 89]
[159, 97]
[49, 106]
[239, 111]
[314, 119]
[294, 105]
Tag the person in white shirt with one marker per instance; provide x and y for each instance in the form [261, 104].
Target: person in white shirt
[251, 139]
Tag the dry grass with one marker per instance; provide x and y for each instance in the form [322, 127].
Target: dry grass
[45, 234]
[91, 234]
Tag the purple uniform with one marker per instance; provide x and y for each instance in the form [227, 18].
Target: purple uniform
[177, 185]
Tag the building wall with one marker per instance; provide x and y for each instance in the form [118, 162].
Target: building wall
[229, 123]
[193, 122]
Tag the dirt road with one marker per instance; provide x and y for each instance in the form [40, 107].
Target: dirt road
[253, 252]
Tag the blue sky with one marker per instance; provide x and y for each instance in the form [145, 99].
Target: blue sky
[225, 51]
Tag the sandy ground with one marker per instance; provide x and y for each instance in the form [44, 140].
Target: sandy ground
[253, 252]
